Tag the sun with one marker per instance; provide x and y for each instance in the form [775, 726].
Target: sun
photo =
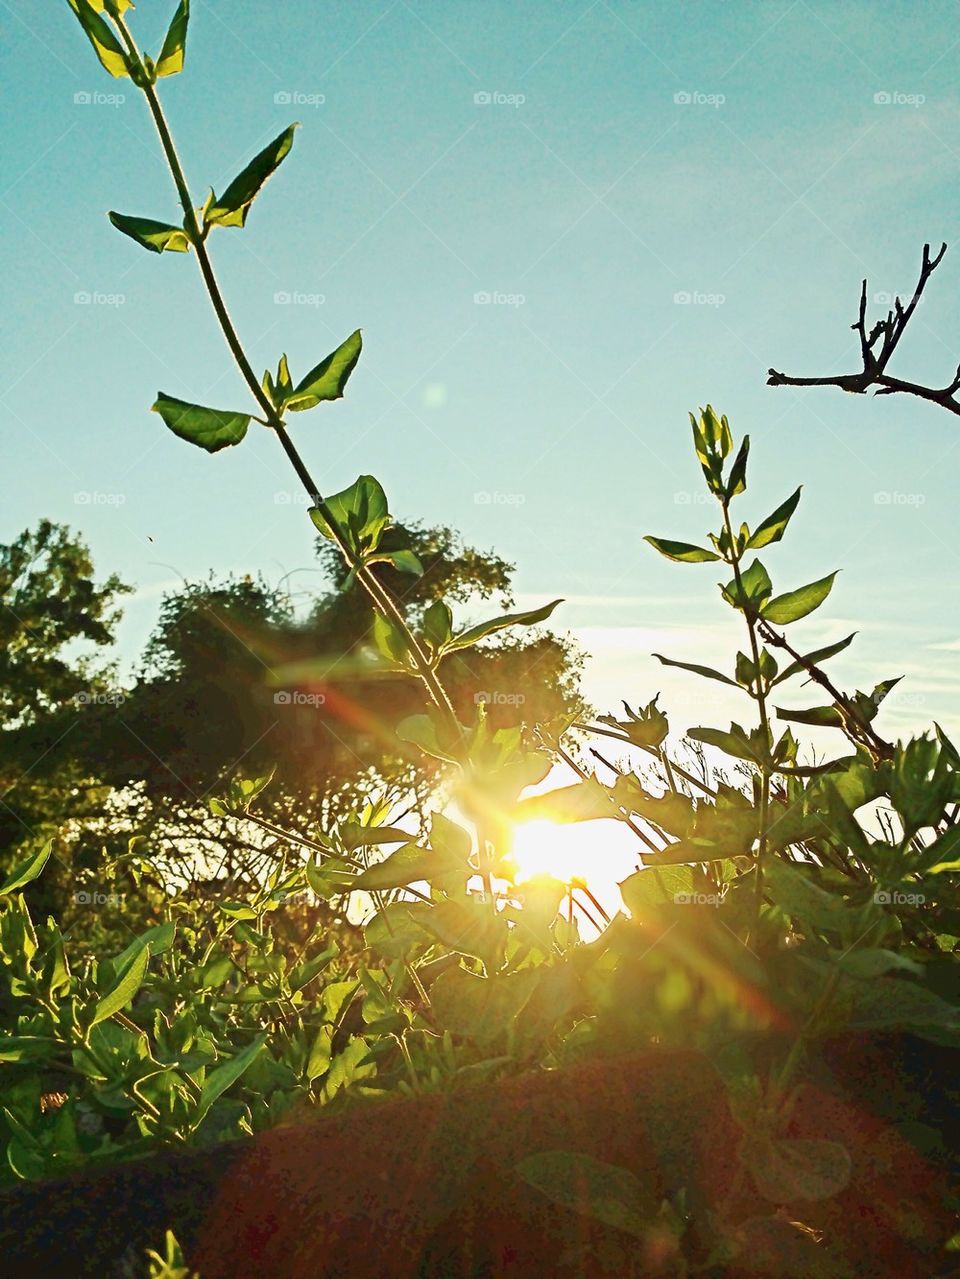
[601, 853]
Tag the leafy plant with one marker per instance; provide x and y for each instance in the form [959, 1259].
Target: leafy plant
[778, 904]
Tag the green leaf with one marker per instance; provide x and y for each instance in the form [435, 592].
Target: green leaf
[360, 513]
[159, 938]
[775, 525]
[438, 624]
[422, 731]
[583, 801]
[480, 632]
[611, 1195]
[450, 840]
[469, 927]
[26, 870]
[390, 641]
[211, 429]
[327, 379]
[783, 609]
[224, 1076]
[647, 727]
[124, 988]
[170, 60]
[403, 867]
[105, 44]
[893, 1003]
[789, 1169]
[23, 1047]
[321, 1052]
[355, 835]
[330, 878]
[155, 236]
[737, 742]
[752, 589]
[402, 561]
[651, 888]
[682, 552]
[706, 671]
[737, 479]
[284, 383]
[815, 658]
[232, 207]
[794, 890]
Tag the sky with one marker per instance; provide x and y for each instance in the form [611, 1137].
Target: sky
[561, 226]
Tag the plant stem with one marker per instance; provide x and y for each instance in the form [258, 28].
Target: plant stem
[761, 700]
[378, 594]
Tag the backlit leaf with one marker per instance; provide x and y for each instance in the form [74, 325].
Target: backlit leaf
[475, 634]
[706, 671]
[359, 512]
[327, 379]
[231, 208]
[815, 658]
[793, 605]
[125, 987]
[105, 43]
[774, 526]
[26, 870]
[224, 1076]
[211, 429]
[171, 56]
[155, 236]
[682, 552]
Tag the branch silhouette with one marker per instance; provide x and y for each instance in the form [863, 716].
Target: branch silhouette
[877, 348]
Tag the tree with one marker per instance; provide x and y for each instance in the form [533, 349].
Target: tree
[239, 678]
[52, 611]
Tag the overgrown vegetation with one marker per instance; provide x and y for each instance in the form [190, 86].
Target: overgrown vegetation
[811, 900]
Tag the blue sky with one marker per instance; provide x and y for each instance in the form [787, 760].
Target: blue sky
[582, 198]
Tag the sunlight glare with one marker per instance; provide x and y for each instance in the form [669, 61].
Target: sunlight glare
[601, 853]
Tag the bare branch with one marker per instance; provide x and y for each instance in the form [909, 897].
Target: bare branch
[877, 348]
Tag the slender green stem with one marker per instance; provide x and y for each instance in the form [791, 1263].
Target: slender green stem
[380, 597]
[761, 700]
